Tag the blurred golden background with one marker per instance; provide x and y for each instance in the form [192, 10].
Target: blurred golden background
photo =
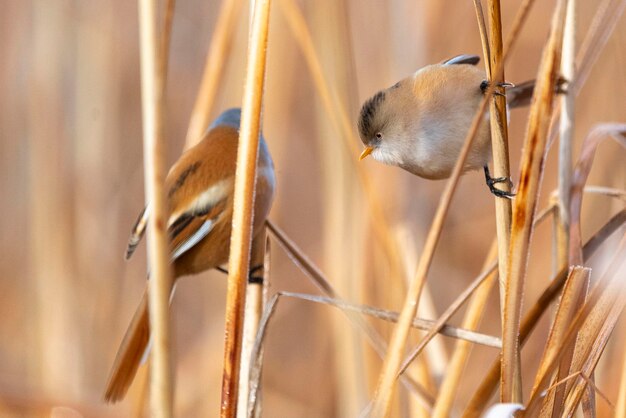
[72, 185]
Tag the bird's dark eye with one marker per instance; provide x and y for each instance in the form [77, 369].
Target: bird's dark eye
[379, 135]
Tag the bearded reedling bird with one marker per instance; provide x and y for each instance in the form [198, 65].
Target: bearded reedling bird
[420, 123]
[200, 199]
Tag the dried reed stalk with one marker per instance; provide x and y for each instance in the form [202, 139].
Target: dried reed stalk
[473, 315]
[218, 53]
[243, 203]
[525, 203]
[480, 399]
[566, 128]
[160, 284]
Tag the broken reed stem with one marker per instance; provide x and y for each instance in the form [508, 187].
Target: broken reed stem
[525, 204]
[473, 315]
[159, 285]
[214, 66]
[566, 128]
[255, 300]
[480, 399]
[243, 203]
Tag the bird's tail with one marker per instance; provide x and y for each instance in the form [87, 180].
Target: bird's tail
[130, 354]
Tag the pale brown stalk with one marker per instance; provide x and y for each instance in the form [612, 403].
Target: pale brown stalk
[214, 66]
[471, 320]
[159, 286]
[480, 399]
[525, 203]
[566, 128]
[243, 203]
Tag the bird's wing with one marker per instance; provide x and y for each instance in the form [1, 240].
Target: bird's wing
[462, 59]
[190, 228]
[137, 232]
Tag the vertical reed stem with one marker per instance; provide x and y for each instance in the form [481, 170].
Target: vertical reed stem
[152, 87]
[245, 176]
[566, 127]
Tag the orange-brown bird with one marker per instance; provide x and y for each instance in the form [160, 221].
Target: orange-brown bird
[200, 200]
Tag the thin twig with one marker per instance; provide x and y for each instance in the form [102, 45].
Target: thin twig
[243, 203]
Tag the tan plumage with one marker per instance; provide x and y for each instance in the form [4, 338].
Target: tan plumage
[420, 123]
[199, 191]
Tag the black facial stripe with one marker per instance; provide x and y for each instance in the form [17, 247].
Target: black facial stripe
[367, 113]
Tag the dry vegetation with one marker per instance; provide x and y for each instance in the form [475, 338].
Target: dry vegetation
[372, 247]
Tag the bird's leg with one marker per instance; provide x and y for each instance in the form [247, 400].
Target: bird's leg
[492, 181]
[253, 277]
[485, 85]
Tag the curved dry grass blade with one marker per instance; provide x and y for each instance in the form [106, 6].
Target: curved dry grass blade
[152, 91]
[217, 56]
[243, 203]
[485, 391]
[581, 173]
[525, 204]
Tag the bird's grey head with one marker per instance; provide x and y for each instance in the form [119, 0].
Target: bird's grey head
[230, 117]
[381, 127]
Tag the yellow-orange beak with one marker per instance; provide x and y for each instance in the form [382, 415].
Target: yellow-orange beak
[367, 151]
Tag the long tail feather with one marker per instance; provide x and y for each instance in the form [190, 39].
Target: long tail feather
[130, 354]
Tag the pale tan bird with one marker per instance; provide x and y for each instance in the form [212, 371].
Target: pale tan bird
[420, 123]
[200, 198]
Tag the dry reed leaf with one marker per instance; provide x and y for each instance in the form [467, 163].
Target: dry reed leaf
[620, 409]
[525, 204]
[581, 172]
[243, 203]
[574, 288]
[593, 324]
[485, 391]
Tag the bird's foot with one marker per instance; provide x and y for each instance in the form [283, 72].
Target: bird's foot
[485, 85]
[252, 275]
[492, 181]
